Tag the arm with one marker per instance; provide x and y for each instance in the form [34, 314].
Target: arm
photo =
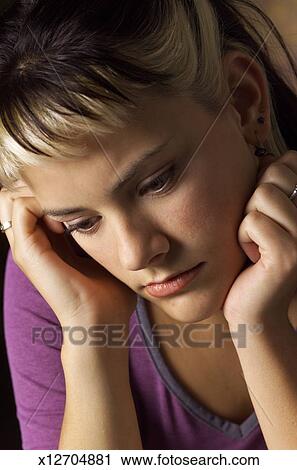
[39, 384]
[35, 365]
[264, 294]
[269, 366]
[99, 412]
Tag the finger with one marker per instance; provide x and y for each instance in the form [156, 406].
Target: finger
[30, 240]
[264, 162]
[53, 225]
[275, 204]
[6, 204]
[21, 188]
[277, 248]
[282, 177]
[59, 241]
[34, 254]
[290, 160]
[35, 233]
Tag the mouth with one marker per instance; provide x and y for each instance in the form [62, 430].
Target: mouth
[173, 283]
[169, 278]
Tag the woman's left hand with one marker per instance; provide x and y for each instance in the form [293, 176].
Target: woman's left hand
[268, 235]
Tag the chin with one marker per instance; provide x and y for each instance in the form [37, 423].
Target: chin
[201, 300]
[193, 306]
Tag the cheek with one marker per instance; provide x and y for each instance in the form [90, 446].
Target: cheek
[188, 212]
[209, 205]
[105, 255]
[101, 251]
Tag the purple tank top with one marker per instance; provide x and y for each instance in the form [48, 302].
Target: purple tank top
[168, 416]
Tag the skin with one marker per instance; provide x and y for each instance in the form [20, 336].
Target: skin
[144, 238]
[223, 212]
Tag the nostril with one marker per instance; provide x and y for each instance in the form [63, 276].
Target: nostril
[157, 258]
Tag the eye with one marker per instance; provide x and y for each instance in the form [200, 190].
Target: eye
[158, 183]
[81, 227]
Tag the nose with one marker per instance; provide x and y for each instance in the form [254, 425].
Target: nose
[140, 244]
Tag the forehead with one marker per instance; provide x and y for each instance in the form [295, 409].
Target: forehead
[151, 122]
[107, 156]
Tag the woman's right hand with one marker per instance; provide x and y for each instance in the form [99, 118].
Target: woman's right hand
[79, 290]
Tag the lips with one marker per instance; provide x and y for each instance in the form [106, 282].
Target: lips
[170, 277]
[175, 284]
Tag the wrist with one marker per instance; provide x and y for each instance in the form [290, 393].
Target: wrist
[83, 364]
[270, 324]
[93, 333]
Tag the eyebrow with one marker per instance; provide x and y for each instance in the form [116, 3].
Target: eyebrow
[129, 175]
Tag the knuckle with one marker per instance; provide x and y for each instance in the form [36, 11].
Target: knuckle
[265, 190]
[18, 203]
[290, 156]
[292, 153]
[273, 170]
[253, 216]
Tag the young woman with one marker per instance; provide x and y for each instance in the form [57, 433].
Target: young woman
[161, 135]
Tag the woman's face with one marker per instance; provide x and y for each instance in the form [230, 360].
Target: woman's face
[148, 231]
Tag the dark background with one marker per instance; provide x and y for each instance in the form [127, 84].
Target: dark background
[9, 428]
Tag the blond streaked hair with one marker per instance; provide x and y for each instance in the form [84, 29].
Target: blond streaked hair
[72, 68]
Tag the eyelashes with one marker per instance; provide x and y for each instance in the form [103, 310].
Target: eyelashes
[80, 228]
[164, 179]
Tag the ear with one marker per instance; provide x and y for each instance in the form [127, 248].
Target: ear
[246, 81]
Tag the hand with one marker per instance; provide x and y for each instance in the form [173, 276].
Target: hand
[268, 236]
[79, 290]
